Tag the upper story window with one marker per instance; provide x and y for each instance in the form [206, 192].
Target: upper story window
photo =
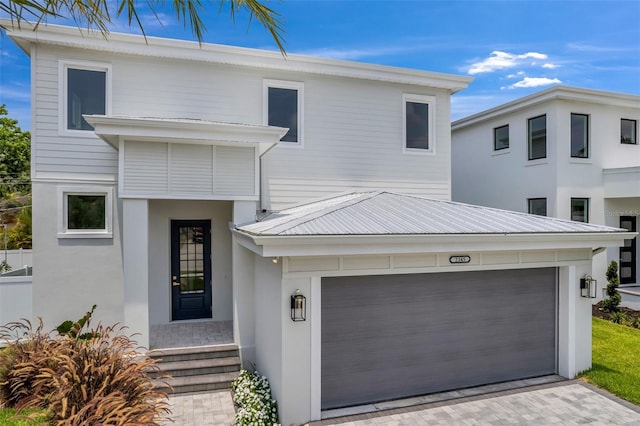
[537, 206]
[284, 108]
[579, 136]
[85, 212]
[501, 138]
[418, 116]
[628, 131]
[85, 89]
[537, 136]
[580, 209]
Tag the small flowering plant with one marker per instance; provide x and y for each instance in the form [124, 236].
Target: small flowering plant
[252, 396]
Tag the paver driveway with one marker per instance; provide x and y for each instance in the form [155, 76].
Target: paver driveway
[563, 403]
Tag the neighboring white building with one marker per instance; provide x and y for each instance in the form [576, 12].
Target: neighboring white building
[565, 152]
[164, 179]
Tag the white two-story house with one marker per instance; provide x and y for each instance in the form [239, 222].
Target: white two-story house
[565, 152]
[306, 202]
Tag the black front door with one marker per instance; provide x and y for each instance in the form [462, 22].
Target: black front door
[190, 269]
[628, 252]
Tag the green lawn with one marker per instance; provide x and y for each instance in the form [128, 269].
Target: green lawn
[7, 414]
[616, 359]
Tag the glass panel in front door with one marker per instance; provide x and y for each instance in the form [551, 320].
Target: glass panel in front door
[191, 274]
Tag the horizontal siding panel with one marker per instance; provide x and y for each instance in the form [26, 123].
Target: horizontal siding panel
[191, 169]
[145, 167]
[235, 171]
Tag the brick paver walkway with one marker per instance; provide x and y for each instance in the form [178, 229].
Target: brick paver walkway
[201, 409]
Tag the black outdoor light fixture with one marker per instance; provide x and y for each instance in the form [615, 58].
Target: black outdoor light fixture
[298, 306]
[588, 287]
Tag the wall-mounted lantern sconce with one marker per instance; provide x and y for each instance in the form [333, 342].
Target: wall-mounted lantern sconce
[298, 306]
[588, 287]
[274, 260]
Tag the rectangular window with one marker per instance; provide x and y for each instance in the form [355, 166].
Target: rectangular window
[628, 131]
[537, 206]
[418, 113]
[86, 94]
[580, 209]
[84, 90]
[501, 138]
[85, 212]
[283, 108]
[579, 136]
[628, 253]
[537, 130]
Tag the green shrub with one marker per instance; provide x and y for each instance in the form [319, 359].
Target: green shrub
[618, 317]
[612, 303]
[99, 380]
[252, 395]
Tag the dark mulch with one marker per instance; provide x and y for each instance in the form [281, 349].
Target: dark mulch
[596, 311]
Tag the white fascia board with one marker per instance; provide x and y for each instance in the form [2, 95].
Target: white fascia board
[554, 93]
[230, 55]
[111, 128]
[268, 246]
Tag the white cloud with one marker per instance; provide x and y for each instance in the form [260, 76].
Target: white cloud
[550, 66]
[534, 82]
[516, 75]
[501, 60]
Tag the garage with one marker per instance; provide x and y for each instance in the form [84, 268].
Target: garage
[385, 337]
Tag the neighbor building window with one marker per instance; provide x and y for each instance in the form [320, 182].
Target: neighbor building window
[628, 131]
[537, 206]
[85, 212]
[418, 114]
[283, 108]
[501, 138]
[84, 90]
[579, 136]
[537, 130]
[580, 209]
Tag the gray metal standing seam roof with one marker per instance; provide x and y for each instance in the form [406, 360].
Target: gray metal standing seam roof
[385, 213]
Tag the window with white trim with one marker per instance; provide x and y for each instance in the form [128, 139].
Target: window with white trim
[418, 114]
[283, 107]
[84, 89]
[85, 212]
[501, 138]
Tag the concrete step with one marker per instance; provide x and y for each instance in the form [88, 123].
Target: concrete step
[198, 367]
[194, 353]
[199, 383]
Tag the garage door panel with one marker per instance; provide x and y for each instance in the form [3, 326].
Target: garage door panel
[386, 337]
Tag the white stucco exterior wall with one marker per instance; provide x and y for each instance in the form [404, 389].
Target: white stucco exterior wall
[71, 275]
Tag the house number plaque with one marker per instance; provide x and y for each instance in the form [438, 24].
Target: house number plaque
[460, 259]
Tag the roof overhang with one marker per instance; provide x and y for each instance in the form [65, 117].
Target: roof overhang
[25, 36]
[322, 245]
[114, 128]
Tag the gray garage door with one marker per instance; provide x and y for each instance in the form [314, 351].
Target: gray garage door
[387, 337]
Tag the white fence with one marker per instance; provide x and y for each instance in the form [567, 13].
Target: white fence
[15, 298]
[17, 258]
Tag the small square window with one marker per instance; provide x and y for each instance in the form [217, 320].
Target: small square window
[537, 206]
[579, 136]
[628, 131]
[580, 209]
[85, 212]
[501, 138]
[418, 115]
[283, 108]
[537, 131]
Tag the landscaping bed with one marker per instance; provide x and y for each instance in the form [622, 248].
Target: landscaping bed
[629, 314]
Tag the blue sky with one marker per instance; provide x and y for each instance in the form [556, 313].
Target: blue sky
[511, 48]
